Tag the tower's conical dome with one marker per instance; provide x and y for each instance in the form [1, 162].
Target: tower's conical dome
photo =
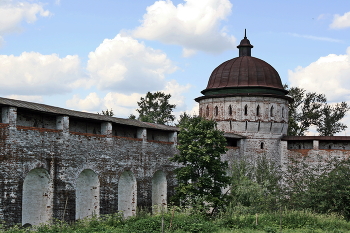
[244, 75]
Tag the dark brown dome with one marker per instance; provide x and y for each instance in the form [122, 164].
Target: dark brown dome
[244, 71]
[244, 75]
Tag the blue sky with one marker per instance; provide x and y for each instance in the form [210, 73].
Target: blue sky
[92, 55]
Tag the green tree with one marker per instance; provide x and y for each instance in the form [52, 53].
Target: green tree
[202, 175]
[322, 186]
[255, 185]
[329, 124]
[155, 108]
[183, 118]
[304, 111]
[310, 108]
[107, 113]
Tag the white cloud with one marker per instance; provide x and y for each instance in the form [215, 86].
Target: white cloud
[341, 21]
[328, 75]
[176, 90]
[316, 37]
[124, 104]
[36, 74]
[30, 98]
[125, 65]
[91, 103]
[12, 13]
[194, 25]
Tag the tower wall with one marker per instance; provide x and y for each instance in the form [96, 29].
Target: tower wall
[271, 120]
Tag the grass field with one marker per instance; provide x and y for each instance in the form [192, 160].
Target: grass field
[181, 222]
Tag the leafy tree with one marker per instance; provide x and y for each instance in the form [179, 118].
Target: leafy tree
[202, 175]
[107, 113]
[304, 111]
[155, 108]
[184, 117]
[329, 124]
[132, 117]
[255, 186]
[322, 186]
[310, 108]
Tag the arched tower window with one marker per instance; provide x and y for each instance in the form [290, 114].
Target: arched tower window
[262, 145]
[216, 111]
[258, 110]
[282, 112]
[246, 110]
[271, 111]
[207, 111]
[230, 110]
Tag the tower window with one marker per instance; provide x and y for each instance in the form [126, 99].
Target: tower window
[258, 110]
[259, 126]
[216, 111]
[246, 110]
[262, 145]
[246, 125]
[271, 111]
[230, 125]
[282, 112]
[207, 111]
[230, 110]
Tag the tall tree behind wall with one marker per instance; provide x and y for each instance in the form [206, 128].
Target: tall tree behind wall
[155, 108]
[311, 109]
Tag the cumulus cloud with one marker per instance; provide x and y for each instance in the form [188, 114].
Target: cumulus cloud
[36, 74]
[30, 98]
[328, 75]
[194, 25]
[126, 65]
[341, 21]
[12, 13]
[176, 90]
[91, 103]
[124, 104]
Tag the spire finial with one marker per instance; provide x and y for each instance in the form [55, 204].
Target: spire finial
[245, 46]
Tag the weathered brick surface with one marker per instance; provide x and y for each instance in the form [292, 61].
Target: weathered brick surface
[66, 155]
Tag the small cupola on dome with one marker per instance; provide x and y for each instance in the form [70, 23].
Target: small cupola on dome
[244, 75]
[245, 48]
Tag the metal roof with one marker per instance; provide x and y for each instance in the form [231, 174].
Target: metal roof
[232, 135]
[320, 138]
[84, 115]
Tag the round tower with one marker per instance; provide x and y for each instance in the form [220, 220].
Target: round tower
[245, 96]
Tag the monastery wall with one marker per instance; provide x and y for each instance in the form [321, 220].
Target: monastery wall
[68, 168]
[313, 152]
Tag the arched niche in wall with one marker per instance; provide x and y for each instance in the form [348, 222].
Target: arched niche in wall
[258, 110]
[2, 196]
[272, 111]
[246, 110]
[37, 197]
[127, 194]
[159, 192]
[87, 194]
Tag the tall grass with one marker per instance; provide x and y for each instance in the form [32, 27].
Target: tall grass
[181, 221]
